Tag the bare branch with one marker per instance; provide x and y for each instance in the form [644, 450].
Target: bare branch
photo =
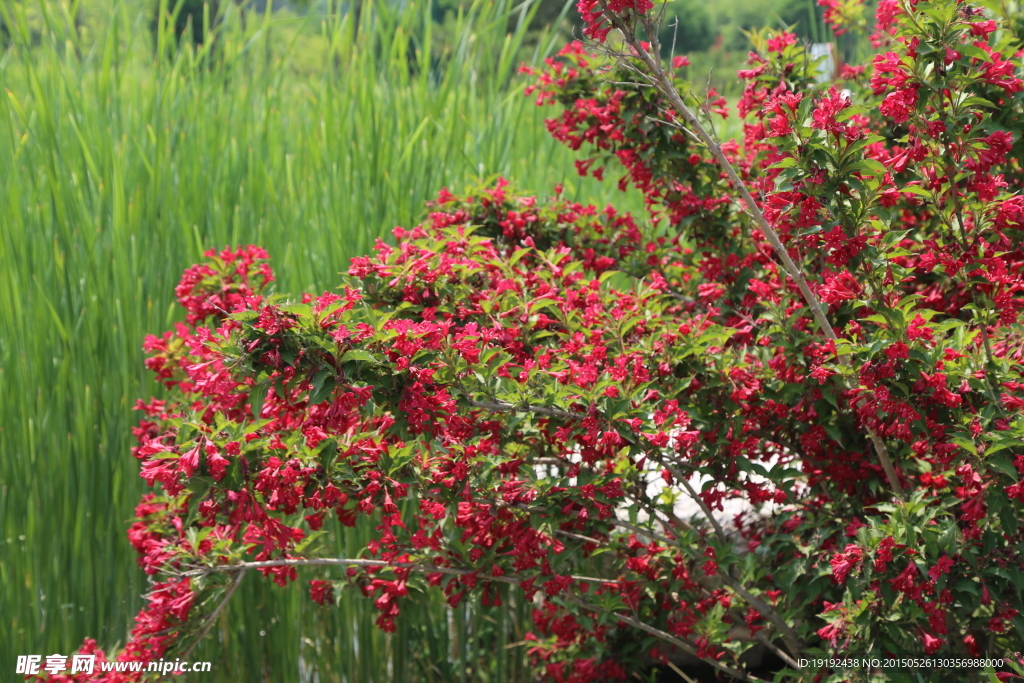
[645, 532]
[669, 638]
[375, 564]
[216, 612]
[698, 500]
[779, 652]
[503, 407]
[580, 537]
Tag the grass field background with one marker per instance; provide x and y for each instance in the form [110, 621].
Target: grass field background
[117, 170]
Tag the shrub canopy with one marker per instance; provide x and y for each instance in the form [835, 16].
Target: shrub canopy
[529, 391]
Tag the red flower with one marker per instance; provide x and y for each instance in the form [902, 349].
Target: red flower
[779, 42]
[825, 115]
[842, 287]
[321, 592]
[905, 581]
[941, 567]
[899, 105]
[931, 643]
[845, 562]
[832, 632]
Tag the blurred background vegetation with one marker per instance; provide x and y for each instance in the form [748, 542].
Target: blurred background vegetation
[713, 35]
[310, 129]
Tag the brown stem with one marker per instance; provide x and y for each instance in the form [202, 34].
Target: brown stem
[216, 612]
[672, 518]
[780, 653]
[698, 500]
[503, 407]
[667, 637]
[341, 562]
[883, 456]
[580, 537]
[680, 672]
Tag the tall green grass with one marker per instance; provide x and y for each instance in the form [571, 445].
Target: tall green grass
[117, 170]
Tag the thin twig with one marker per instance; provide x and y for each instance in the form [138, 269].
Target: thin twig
[680, 672]
[789, 636]
[673, 520]
[698, 500]
[580, 537]
[646, 532]
[375, 564]
[503, 407]
[667, 637]
[215, 613]
[779, 652]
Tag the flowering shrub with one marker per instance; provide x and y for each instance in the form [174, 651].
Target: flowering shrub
[819, 322]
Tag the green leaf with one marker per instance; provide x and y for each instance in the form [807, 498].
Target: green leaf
[869, 166]
[257, 397]
[947, 541]
[834, 432]
[751, 466]
[1002, 444]
[517, 255]
[916, 190]
[323, 386]
[968, 50]
[1002, 463]
[199, 487]
[788, 162]
[358, 355]
[401, 458]
[966, 444]
[991, 674]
